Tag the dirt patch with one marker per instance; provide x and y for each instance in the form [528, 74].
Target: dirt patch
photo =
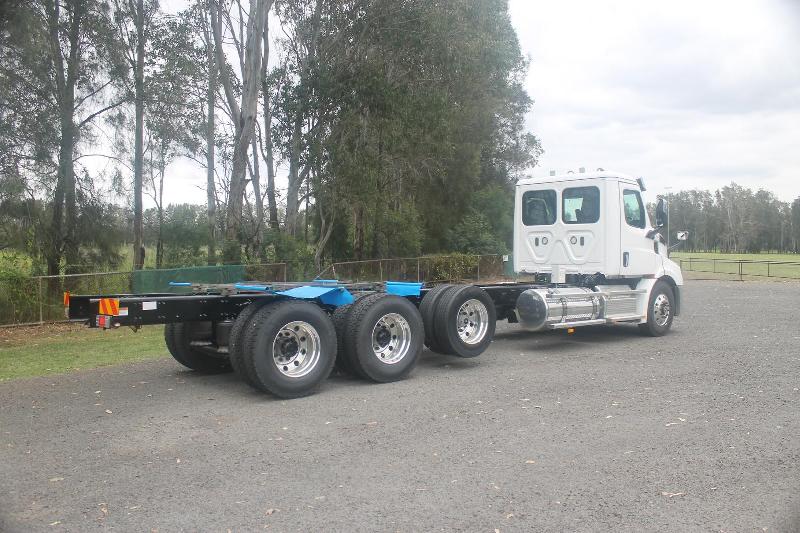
[21, 334]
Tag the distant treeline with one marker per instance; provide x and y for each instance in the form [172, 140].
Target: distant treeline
[735, 219]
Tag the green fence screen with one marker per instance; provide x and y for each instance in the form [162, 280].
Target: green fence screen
[145, 281]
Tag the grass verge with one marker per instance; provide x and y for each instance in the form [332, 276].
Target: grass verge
[704, 262]
[58, 348]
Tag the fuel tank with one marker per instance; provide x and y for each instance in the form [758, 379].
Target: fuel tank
[539, 308]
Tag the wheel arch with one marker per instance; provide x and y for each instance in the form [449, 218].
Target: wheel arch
[676, 291]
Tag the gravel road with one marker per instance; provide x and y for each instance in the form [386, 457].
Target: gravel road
[602, 430]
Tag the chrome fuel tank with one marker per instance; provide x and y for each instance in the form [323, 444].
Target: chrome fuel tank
[539, 308]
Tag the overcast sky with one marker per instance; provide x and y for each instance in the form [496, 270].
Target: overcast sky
[687, 94]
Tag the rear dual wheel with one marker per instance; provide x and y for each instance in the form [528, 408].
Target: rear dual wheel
[383, 337]
[460, 320]
[288, 348]
[182, 339]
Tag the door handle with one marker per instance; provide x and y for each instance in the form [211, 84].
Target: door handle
[625, 258]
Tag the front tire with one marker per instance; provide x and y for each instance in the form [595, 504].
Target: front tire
[660, 311]
[290, 348]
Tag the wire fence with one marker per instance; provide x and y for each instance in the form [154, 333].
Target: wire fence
[39, 299]
[429, 268]
[741, 268]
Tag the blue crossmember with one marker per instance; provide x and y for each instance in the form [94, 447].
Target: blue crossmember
[328, 295]
[403, 288]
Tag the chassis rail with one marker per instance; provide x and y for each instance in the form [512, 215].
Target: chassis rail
[219, 303]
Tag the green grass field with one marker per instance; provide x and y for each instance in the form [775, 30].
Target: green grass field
[53, 349]
[717, 263]
[57, 348]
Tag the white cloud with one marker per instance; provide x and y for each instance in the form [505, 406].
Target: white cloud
[686, 94]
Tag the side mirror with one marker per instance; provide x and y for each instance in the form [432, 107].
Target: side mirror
[661, 213]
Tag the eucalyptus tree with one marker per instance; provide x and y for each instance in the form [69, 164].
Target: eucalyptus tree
[247, 38]
[301, 21]
[416, 106]
[58, 65]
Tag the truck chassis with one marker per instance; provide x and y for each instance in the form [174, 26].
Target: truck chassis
[285, 338]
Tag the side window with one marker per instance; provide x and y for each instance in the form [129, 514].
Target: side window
[634, 209]
[539, 208]
[581, 205]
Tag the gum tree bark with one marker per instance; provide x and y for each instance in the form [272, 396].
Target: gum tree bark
[244, 113]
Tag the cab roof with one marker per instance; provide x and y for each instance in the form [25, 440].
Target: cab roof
[574, 176]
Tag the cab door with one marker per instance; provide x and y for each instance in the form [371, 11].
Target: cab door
[639, 257]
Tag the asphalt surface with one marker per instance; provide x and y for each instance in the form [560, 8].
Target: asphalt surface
[603, 430]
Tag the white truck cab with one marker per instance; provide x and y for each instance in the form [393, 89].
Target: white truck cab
[591, 230]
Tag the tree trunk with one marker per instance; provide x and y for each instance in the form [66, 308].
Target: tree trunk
[244, 117]
[259, 201]
[267, 112]
[138, 157]
[295, 179]
[64, 209]
[325, 232]
[160, 206]
[293, 187]
[211, 191]
[358, 232]
[232, 252]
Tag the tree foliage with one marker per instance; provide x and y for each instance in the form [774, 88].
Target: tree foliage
[329, 130]
[734, 219]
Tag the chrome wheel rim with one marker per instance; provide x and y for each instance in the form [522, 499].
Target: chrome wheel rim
[661, 310]
[472, 321]
[296, 349]
[391, 338]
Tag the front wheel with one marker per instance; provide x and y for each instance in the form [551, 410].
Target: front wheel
[660, 311]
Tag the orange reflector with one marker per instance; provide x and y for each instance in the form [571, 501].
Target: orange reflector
[570, 331]
[108, 306]
[66, 299]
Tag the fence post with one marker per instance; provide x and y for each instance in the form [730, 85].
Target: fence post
[380, 268]
[740, 270]
[418, 270]
[479, 268]
[768, 263]
[285, 272]
[41, 316]
[714, 262]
